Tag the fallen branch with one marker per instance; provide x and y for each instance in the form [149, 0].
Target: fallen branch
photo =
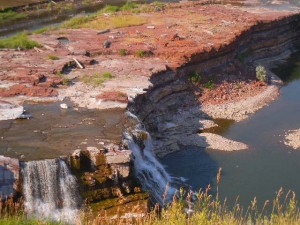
[50, 48]
[103, 31]
[78, 63]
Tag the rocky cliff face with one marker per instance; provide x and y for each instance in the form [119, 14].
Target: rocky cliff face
[171, 107]
[104, 173]
[10, 182]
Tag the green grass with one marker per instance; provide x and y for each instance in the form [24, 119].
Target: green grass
[110, 9]
[140, 53]
[9, 16]
[76, 22]
[53, 57]
[20, 40]
[97, 79]
[129, 6]
[123, 52]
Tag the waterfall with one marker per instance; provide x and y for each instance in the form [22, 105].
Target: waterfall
[148, 169]
[50, 190]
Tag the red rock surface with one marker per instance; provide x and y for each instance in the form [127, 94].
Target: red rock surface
[181, 32]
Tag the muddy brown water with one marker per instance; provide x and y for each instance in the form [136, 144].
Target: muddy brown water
[14, 3]
[267, 165]
[53, 132]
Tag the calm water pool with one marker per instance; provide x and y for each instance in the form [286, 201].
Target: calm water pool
[267, 165]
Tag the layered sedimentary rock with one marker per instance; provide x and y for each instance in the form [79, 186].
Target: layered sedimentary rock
[172, 99]
[10, 180]
[104, 173]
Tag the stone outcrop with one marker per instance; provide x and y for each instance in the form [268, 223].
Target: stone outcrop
[172, 97]
[104, 173]
[10, 182]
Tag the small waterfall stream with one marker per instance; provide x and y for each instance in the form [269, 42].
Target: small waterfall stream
[50, 190]
[148, 169]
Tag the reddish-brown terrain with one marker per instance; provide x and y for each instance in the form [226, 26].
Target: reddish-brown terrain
[177, 35]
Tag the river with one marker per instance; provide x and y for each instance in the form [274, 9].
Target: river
[267, 165]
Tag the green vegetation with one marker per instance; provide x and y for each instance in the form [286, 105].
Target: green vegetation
[123, 52]
[261, 73]
[141, 53]
[53, 57]
[18, 41]
[9, 16]
[76, 22]
[110, 9]
[159, 5]
[209, 85]
[129, 6]
[97, 79]
[44, 29]
[196, 78]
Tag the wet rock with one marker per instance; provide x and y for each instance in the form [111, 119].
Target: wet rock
[64, 106]
[106, 44]
[10, 111]
[117, 157]
[9, 177]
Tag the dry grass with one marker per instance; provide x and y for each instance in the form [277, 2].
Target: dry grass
[115, 21]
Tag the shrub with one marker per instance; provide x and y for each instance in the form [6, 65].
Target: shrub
[209, 85]
[261, 73]
[18, 41]
[195, 77]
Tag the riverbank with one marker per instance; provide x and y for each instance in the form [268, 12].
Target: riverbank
[120, 64]
[167, 72]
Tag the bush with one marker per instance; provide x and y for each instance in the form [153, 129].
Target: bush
[195, 77]
[261, 73]
[18, 41]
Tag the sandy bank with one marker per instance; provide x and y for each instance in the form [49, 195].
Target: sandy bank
[292, 139]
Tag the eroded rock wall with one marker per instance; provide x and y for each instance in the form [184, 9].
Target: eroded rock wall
[170, 106]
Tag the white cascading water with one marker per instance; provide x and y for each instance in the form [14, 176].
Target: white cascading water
[50, 190]
[148, 169]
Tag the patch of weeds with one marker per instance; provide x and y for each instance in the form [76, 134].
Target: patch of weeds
[18, 41]
[97, 79]
[129, 6]
[261, 73]
[110, 9]
[53, 57]
[140, 53]
[123, 52]
[110, 22]
[58, 73]
[76, 22]
[9, 16]
[209, 85]
[195, 77]
[44, 29]
[159, 5]
[65, 82]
